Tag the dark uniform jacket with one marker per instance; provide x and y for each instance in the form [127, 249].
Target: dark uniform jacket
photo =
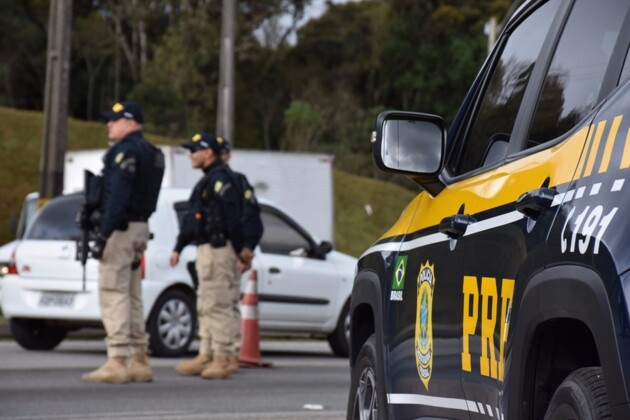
[252, 223]
[124, 184]
[214, 210]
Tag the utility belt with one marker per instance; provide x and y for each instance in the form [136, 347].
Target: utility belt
[210, 230]
[96, 218]
[214, 243]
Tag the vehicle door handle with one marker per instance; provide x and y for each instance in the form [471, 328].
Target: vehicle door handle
[274, 270]
[455, 226]
[536, 202]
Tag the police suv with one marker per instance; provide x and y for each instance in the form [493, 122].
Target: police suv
[502, 291]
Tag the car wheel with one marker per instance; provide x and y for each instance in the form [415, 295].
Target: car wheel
[34, 334]
[339, 339]
[172, 324]
[582, 395]
[363, 402]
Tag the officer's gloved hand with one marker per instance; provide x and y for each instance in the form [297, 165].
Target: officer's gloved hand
[98, 247]
[82, 219]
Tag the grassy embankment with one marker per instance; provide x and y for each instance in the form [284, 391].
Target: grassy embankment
[20, 137]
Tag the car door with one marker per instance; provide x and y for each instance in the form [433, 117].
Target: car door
[297, 287]
[423, 328]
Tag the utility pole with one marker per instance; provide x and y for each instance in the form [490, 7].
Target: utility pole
[225, 105]
[490, 30]
[55, 100]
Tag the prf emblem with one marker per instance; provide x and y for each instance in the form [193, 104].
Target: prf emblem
[424, 323]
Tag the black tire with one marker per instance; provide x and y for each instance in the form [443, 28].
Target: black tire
[172, 324]
[339, 339]
[581, 396]
[363, 402]
[34, 334]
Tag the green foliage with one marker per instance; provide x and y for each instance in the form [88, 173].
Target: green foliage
[23, 51]
[179, 87]
[95, 43]
[303, 124]
[364, 210]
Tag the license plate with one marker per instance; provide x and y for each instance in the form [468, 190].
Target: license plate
[56, 299]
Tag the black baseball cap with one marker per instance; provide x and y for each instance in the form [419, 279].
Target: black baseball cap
[226, 146]
[125, 109]
[205, 141]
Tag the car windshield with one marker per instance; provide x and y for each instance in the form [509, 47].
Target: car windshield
[56, 220]
[29, 210]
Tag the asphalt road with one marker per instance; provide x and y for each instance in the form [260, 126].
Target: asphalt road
[305, 382]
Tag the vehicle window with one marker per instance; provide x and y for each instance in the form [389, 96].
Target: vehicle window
[180, 209]
[506, 87]
[573, 80]
[625, 72]
[279, 237]
[56, 220]
[29, 210]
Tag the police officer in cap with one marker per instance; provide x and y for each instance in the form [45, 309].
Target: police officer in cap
[213, 221]
[252, 233]
[123, 236]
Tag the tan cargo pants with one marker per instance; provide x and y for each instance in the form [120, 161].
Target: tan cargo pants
[120, 293]
[235, 291]
[215, 269]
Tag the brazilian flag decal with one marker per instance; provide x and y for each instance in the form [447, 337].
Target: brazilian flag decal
[398, 279]
[400, 269]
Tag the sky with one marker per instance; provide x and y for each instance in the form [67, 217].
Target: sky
[318, 7]
[315, 10]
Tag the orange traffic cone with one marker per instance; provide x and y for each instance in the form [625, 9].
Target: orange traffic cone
[250, 349]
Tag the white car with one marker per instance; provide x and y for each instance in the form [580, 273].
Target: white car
[29, 208]
[303, 285]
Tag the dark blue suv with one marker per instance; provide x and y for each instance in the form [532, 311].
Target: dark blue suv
[502, 291]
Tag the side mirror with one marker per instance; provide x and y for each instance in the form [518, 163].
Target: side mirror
[324, 248]
[411, 144]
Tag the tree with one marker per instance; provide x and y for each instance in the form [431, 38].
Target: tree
[23, 34]
[95, 43]
[179, 87]
[302, 123]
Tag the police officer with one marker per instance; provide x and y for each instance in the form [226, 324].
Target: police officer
[252, 233]
[123, 236]
[213, 221]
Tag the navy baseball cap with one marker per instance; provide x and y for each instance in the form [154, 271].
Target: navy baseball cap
[205, 141]
[226, 146]
[125, 109]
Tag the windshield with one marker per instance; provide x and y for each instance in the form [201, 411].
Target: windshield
[56, 220]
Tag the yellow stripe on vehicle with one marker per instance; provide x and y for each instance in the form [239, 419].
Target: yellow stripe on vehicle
[612, 135]
[594, 148]
[504, 184]
[625, 159]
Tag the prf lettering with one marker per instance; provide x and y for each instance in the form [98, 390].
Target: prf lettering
[481, 307]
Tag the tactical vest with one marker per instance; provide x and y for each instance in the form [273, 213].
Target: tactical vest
[150, 182]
